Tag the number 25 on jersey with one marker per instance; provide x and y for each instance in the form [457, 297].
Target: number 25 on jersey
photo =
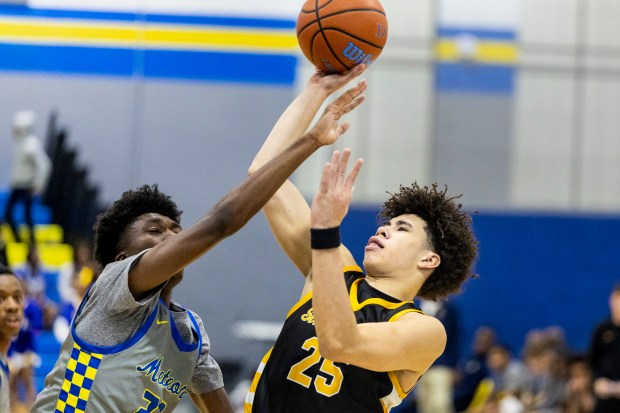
[326, 387]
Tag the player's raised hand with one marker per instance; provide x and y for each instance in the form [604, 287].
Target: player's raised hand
[333, 82]
[331, 202]
[328, 129]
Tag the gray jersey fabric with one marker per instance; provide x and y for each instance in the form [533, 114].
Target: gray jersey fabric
[4, 384]
[143, 351]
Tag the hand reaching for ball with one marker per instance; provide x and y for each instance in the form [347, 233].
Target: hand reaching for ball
[328, 129]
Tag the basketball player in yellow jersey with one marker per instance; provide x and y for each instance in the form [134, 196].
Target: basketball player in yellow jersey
[356, 342]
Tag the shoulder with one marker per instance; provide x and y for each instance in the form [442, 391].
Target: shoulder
[425, 330]
[419, 321]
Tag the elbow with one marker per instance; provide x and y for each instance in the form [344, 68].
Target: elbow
[332, 349]
[223, 222]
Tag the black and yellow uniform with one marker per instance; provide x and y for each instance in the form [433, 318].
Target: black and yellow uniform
[293, 377]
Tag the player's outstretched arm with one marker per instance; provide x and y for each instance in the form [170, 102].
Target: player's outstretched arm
[239, 205]
[287, 211]
[411, 343]
[296, 118]
[216, 401]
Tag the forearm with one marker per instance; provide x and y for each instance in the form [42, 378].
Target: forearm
[291, 124]
[334, 319]
[216, 401]
[250, 196]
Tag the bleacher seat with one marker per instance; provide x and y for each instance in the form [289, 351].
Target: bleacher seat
[41, 214]
[42, 233]
[52, 256]
[48, 349]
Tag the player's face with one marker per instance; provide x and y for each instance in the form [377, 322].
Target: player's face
[147, 231]
[398, 245]
[11, 305]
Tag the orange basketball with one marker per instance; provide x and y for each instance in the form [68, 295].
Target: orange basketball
[336, 35]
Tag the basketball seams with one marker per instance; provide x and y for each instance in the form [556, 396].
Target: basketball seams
[352, 10]
[316, 7]
[329, 46]
[335, 29]
[319, 18]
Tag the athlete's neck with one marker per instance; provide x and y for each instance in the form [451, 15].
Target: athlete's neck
[394, 287]
[166, 296]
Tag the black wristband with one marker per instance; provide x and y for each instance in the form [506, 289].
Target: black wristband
[323, 239]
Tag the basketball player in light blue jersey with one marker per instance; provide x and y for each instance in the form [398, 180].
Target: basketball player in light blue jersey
[355, 342]
[131, 347]
[11, 316]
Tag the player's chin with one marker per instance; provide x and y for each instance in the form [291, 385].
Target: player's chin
[370, 261]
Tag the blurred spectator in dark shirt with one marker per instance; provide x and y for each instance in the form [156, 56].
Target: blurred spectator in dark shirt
[605, 358]
[473, 370]
[580, 398]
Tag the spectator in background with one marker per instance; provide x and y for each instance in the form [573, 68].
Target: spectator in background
[545, 359]
[435, 388]
[473, 370]
[74, 281]
[507, 373]
[605, 358]
[33, 276]
[31, 170]
[580, 398]
[23, 359]
[11, 315]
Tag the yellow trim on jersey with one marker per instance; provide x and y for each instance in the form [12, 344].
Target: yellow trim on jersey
[401, 393]
[349, 268]
[303, 300]
[402, 313]
[249, 399]
[383, 303]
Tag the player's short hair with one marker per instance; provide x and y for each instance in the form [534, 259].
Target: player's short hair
[112, 224]
[449, 234]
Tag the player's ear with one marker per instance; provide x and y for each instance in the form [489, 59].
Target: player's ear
[430, 261]
[121, 256]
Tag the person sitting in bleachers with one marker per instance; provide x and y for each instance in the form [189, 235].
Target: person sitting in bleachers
[33, 276]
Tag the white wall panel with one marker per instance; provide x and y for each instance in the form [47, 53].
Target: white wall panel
[603, 23]
[399, 134]
[412, 18]
[541, 154]
[548, 22]
[601, 145]
[490, 14]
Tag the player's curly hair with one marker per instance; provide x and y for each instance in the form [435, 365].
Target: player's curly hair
[449, 233]
[112, 224]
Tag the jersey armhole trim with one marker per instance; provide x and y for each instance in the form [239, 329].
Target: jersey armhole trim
[402, 313]
[303, 300]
